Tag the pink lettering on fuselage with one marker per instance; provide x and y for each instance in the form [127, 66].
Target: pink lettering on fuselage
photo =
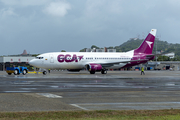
[67, 58]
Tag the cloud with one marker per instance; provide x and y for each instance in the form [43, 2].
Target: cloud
[24, 2]
[57, 8]
[174, 2]
[111, 21]
[8, 12]
[99, 7]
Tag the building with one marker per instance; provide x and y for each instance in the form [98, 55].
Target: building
[170, 55]
[111, 50]
[100, 50]
[88, 50]
[160, 65]
[15, 60]
[9, 61]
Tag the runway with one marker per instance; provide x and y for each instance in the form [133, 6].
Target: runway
[117, 90]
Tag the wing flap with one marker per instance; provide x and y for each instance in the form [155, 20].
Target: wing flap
[113, 63]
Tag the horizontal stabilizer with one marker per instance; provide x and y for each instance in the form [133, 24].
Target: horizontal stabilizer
[155, 55]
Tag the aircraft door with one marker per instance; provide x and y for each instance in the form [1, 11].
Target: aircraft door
[42, 62]
[51, 58]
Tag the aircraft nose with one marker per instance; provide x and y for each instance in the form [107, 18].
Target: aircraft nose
[36, 63]
[31, 62]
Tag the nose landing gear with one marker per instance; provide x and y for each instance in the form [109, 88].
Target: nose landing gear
[44, 72]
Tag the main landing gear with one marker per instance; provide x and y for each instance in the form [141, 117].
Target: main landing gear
[92, 72]
[103, 71]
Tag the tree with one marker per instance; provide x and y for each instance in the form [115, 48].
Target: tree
[82, 50]
[163, 58]
[63, 51]
[34, 55]
[110, 47]
[162, 46]
[93, 46]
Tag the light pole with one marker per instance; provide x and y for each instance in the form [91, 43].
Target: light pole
[156, 54]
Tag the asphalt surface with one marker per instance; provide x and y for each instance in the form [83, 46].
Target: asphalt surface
[117, 90]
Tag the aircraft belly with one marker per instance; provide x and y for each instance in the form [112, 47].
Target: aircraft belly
[116, 66]
[69, 66]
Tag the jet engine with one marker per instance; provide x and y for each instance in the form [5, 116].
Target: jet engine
[94, 67]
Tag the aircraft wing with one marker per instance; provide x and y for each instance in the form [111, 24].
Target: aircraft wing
[114, 63]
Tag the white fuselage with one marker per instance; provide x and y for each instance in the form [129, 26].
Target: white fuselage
[96, 61]
[79, 60]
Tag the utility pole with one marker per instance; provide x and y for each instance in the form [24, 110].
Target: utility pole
[156, 54]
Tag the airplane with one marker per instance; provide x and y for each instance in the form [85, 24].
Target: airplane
[96, 61]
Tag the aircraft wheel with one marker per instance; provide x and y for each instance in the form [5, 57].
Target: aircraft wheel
[44, 72]
[103, 71]
[92, 72]
[16, 72]
[24, 72]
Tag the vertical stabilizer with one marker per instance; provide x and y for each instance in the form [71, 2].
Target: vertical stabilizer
[147, 46]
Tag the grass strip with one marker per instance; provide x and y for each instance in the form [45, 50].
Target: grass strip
[93, 115]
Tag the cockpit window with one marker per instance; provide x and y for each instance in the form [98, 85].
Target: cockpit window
[39, 57]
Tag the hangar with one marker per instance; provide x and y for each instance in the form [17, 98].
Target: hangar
[9, 61]
[15, 60]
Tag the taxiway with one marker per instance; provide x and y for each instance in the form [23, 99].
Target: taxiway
[117, 90]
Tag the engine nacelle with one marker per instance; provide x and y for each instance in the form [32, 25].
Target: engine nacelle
[94, 67]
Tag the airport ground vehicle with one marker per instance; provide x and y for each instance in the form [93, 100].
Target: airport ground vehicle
[16, 70]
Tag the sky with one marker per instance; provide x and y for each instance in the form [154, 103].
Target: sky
[41, 26]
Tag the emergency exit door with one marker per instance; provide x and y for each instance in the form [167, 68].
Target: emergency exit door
[51, 58]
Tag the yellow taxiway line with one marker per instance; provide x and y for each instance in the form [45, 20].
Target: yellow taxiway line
[34, 72]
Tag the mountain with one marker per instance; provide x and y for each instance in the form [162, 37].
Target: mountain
[133, 43]
[162, 46]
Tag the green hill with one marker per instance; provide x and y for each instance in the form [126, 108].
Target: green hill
[162, 46]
